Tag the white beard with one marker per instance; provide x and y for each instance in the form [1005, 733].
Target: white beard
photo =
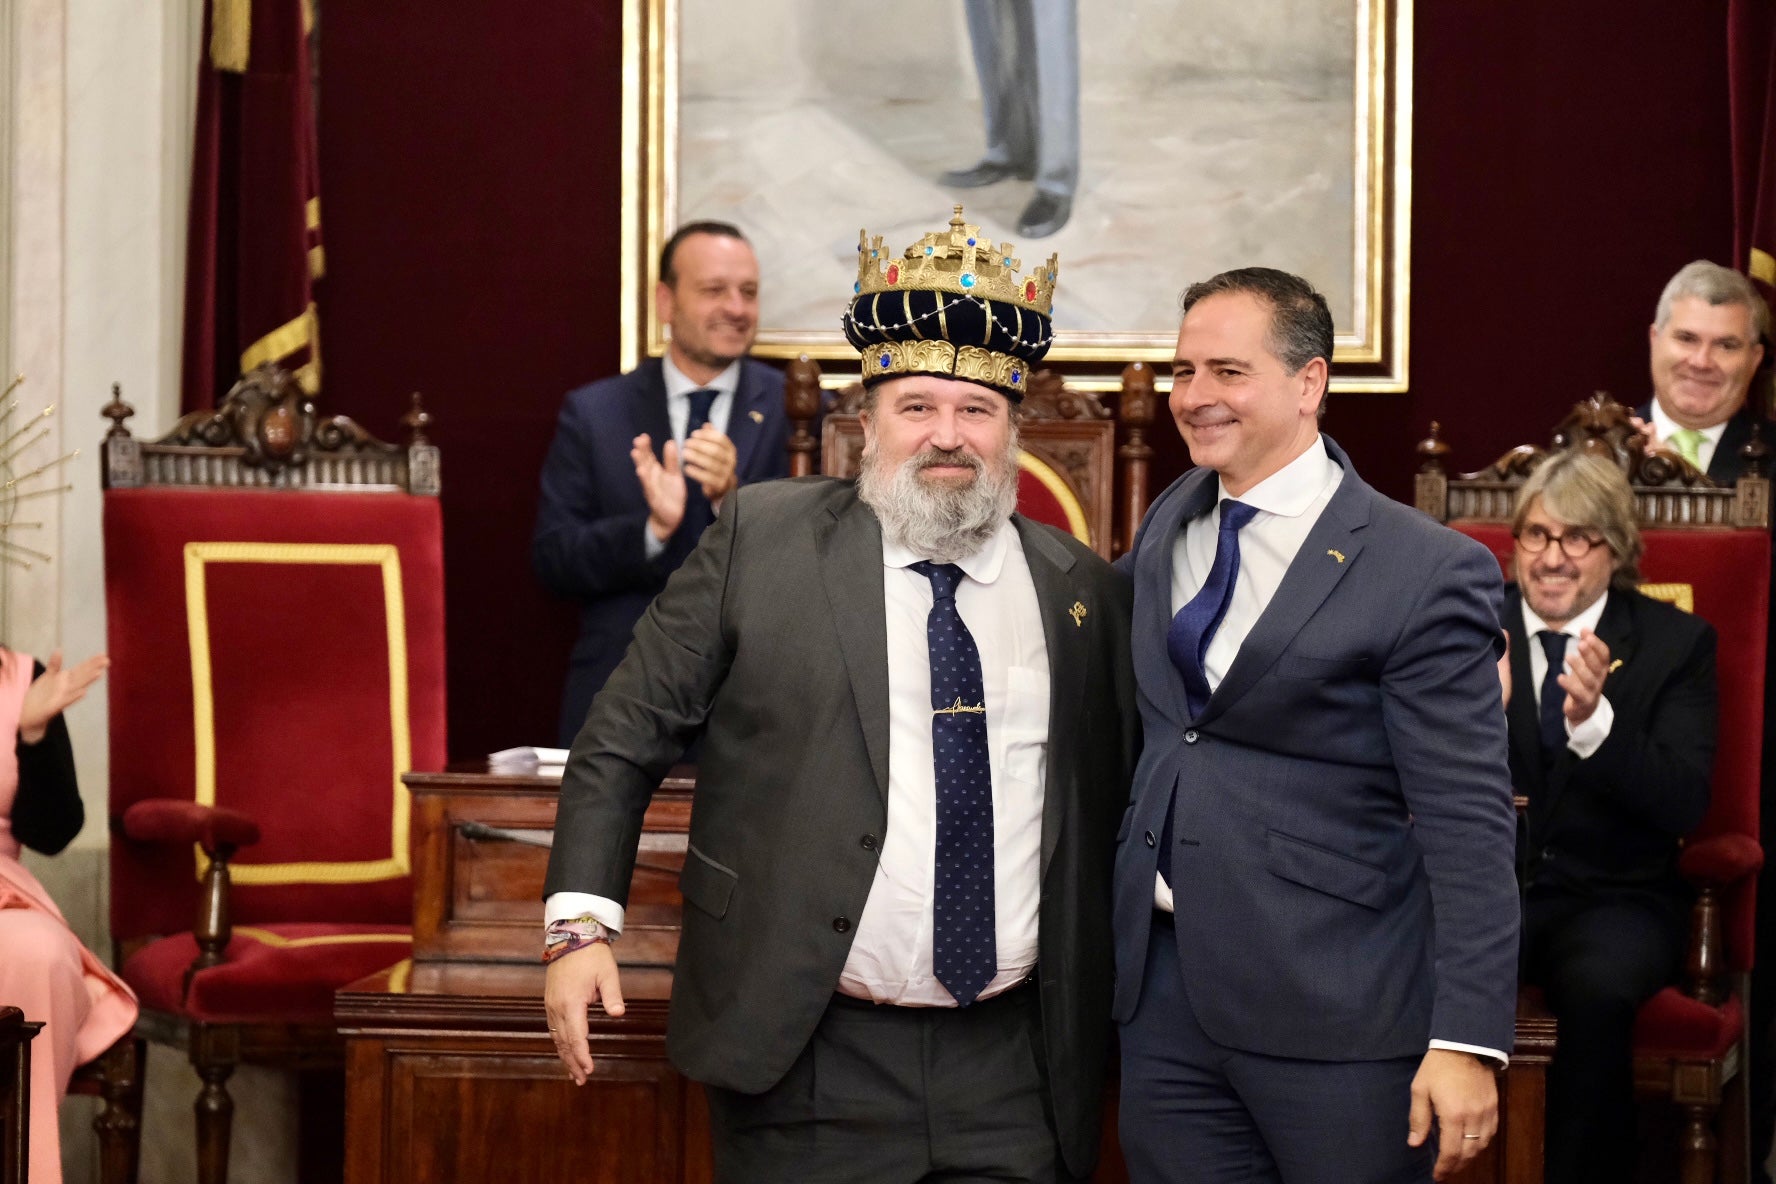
[939, 522]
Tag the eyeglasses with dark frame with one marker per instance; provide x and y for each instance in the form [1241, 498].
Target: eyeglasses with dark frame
[1535, 539]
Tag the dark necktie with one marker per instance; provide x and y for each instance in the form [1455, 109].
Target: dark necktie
[964, 953]
[698, 512]
[1194, 627]
[1553, 695]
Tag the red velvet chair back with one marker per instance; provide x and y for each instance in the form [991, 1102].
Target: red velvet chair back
[280, 652]
[1727, 576]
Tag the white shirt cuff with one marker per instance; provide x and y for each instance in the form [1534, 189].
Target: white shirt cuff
[1589, 736]
[652, 547]
[561, 905]
[1490, 1054]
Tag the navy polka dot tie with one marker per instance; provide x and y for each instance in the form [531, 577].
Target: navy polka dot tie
[698, 512]
[964, 953]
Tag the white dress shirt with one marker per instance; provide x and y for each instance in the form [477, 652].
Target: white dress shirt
[1289, 503]
[890, 958]
[1589, 736]
[678, 414]
[1664, 427]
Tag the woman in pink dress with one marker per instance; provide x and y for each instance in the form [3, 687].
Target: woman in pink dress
[43, 967]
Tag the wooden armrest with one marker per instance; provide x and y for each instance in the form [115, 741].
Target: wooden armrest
[220, 832]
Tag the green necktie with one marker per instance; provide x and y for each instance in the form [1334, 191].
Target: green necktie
[1688, 442]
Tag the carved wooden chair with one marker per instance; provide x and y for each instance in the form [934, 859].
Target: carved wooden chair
[16, 1034]
[274, 590]
[1708, 551]
[1071, 473]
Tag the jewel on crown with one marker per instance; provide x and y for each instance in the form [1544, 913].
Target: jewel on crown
[961, 260]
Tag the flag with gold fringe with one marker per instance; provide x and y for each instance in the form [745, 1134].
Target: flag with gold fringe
[255, 225]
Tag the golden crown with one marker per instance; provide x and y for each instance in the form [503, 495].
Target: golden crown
[960, 260]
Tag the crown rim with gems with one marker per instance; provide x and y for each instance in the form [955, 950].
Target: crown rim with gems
[959, 259]
[953, 305]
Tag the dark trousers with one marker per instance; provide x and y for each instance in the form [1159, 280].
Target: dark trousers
[1198, 1112]
[900, 1095]
[1597, 960]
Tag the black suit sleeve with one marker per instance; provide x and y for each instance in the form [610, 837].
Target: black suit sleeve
[47, 813]
[1660, 772]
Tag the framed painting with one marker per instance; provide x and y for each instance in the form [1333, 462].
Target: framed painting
[1146, 145]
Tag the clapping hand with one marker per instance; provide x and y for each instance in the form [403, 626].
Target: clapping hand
[662, 484]
[1586, 668]
[54, 691]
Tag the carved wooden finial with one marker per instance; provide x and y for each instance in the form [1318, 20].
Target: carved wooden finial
[801, 403]
[801, 388]
[1431, 450]
[117, 411]
[1136, 405]
[416, 420]
[1754, 452]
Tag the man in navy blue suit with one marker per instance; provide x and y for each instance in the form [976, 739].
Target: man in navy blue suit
[641, 462]
[1315, 903]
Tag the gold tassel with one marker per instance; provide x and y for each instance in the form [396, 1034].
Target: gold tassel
[231, 34]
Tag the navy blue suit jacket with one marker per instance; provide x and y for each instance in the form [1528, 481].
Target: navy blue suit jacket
[591, 515]
[1344, 861]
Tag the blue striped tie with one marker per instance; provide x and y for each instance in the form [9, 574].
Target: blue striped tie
[1194, 627]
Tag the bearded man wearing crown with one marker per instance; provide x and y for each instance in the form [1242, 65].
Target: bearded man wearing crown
[919, 728]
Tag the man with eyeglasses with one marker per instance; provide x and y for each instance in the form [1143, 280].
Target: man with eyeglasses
[1612, 728]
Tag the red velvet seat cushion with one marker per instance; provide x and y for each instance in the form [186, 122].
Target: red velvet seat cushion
[1673, 1024]
[273, 973]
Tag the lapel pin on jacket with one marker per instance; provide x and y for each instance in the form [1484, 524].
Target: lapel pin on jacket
[1615, 666]
[756, 416]
[1336, 554]
[1077, 612]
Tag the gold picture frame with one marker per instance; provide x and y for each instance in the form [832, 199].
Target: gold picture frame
[1369, 261]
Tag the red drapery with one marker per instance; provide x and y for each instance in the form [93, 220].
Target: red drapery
[1751, 81]
[255, 228]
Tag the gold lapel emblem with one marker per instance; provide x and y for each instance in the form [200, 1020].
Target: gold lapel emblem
[1615, 666]
[757, 416]
[1077, 612]
[960, 708]
[1338, 555]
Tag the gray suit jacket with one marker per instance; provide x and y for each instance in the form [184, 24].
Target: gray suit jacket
[1344, 871]
[774, 633]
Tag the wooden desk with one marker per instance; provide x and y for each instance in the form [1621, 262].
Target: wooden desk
[480, 899]
[450, 1071]
[451, 1075]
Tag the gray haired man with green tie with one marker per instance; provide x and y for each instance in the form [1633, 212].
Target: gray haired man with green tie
[1706, 342]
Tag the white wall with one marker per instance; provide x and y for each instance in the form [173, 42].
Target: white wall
[96, 110]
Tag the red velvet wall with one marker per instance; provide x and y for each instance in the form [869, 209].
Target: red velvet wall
[1567, 159]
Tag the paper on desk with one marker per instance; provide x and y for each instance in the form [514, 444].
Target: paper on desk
[527, 757]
